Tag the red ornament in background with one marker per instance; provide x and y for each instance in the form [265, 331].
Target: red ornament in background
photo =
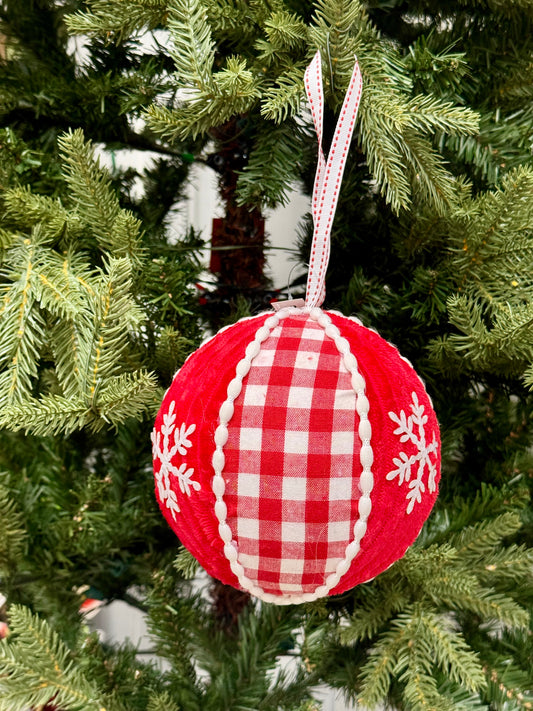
[296, 453]
[4, 629]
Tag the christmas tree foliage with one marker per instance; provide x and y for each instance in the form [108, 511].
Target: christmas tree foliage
[432, 246]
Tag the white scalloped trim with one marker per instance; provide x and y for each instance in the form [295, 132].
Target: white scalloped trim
[366, 483]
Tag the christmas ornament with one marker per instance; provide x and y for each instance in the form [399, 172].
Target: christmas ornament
[296, 453]
[4, 629]
[92, 601]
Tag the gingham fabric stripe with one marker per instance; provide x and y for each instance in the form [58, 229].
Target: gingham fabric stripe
[310, 443]
[329, 174]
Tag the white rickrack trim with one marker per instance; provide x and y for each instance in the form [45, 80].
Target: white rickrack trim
[366, 482]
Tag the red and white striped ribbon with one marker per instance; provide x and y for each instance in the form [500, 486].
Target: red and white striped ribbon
[329, 173]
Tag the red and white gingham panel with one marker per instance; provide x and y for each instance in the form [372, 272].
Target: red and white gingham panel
[292, 478]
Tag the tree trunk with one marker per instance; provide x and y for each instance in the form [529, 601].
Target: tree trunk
[240, 269]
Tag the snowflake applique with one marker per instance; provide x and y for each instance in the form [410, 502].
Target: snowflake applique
[166, 453]
[419, 461]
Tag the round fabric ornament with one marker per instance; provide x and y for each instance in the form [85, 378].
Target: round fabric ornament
[296, 453]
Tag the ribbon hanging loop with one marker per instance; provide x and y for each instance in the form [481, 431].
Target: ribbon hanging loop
[329, 172]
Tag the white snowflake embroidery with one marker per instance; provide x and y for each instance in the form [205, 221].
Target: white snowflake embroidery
[166, 454]
[404, 464]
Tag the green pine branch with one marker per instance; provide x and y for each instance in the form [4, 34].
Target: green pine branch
[117, 318]
[488, 502]
[500, 567]
[474, 542]
[488, 604]
[12, 534]
[48, 415]
[285, 31]
[447, 577]
[429, 177]
[273, 162]
[25, 209]
[56, 287]
[127, 395]
[334, 31]
[55, 305]
[392, 131]
[235, 20]
[421, 692]
[490, 267]
[186, 564]
[212, 101]
[380, 145]
[118, 399]
[120, 20]
[503, 346]
[436, 69]
[95, 202]
[430, 113]
[36, 668]
[193, 47]
[451, 653]
[173, 629]
[372, 617]
[162, 702]
[171, 350]
[69, 337]
[377, 673]
[283, 100]
[493, 230]
[7, 239]
[23, 326]
[411, 617]
[528, 377]
[394, 128]
[235, 81]
[418, 639]
[508, 685]
[91, 352]
[241, 669]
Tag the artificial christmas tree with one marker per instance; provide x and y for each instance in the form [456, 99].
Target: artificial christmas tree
[431, 247]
